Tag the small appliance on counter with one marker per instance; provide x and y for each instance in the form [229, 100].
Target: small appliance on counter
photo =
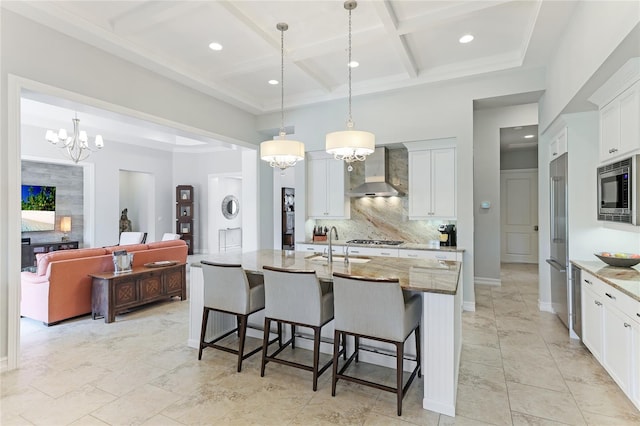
[447, 235]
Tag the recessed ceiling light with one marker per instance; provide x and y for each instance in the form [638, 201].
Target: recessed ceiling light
[466, 38]
[273, 82]
[215, 46]
[528, 136]
[354, 64]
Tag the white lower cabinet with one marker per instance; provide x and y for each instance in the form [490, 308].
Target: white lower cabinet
[431, 254]
[374, 251]
[611, 333]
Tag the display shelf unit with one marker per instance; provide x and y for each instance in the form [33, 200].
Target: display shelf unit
[184, 214]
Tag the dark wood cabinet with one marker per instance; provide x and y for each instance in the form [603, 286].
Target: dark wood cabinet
[29, 251]
[112, 293]
[184, 214]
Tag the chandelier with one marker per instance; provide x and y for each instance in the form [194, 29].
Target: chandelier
[281, 152]
[350, 145]
[77, 145]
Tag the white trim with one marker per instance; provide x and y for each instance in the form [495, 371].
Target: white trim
[546, 307]
[13, 214]
[469, 306]
[3, 364]
[496, 282]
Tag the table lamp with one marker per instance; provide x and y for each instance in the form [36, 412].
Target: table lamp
[65, 227]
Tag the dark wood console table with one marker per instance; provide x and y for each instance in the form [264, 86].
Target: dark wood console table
[29, 251]
[112, 293]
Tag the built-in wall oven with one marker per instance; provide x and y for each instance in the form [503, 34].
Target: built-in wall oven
[618, 188]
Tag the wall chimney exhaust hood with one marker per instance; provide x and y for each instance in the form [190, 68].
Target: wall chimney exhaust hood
[376, 178]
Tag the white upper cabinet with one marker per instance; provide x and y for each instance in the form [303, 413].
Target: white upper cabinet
[558, 145]
[326, 195]
[432, 179]
[619, 102]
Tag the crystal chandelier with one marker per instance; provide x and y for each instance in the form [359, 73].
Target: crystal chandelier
[77, 145]
[281, 152]
[350, 145]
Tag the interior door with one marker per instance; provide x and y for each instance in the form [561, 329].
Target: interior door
[519, 216]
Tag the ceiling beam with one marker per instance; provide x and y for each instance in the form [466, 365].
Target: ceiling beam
[274, 42]
[390, 22]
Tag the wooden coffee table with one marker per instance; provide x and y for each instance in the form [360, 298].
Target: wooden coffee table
[113, 293]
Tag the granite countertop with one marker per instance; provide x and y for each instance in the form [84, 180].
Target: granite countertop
[426, 275]
[403, 246]
[627, 280]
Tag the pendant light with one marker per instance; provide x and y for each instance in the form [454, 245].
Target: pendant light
[281, 152]
[350, 145]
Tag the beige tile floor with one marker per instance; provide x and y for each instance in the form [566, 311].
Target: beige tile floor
[518, 367]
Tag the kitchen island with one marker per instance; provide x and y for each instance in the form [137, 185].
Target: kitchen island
[438, 282]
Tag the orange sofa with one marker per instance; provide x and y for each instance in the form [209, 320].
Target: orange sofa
[61, 287]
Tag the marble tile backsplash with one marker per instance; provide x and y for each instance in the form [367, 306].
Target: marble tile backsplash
[382, 218]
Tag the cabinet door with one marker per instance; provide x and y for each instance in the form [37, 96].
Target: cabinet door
[617, 345]
[609, 130]
[335, 189]
[420, 184]
[443, 178]
[630, 119]
[317, 188]
[592, 319]
[428, 254]
[374, 251]
[635, 364]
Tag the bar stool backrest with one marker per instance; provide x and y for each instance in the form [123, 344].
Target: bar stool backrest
[370, 307]
[226, 287]
[293, 295]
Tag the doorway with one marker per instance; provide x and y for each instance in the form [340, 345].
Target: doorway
[137, 195]
[225, 212]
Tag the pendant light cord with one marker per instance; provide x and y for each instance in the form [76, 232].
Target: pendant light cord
[282, 132]
[350, 122]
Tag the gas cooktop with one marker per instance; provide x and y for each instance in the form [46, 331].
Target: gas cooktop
[376, 242]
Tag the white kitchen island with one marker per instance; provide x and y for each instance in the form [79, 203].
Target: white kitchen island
[438, 281]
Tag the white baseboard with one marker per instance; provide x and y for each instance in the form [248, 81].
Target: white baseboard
[469, 306]
[546, 307]
[496, 282]
[439, 407]
[193, 343]
[4, 364]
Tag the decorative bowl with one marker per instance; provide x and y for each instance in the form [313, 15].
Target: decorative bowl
[622, 260]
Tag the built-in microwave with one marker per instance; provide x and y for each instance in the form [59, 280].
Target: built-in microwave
[618, 185]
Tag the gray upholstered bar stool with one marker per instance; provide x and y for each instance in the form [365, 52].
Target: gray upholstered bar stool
[376, 309]
[228, 289]
[295, 297]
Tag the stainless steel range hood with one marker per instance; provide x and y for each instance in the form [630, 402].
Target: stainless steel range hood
[376, 177]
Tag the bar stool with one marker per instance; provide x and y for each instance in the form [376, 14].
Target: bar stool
[295, 297]
[228, 289]
[376, 309]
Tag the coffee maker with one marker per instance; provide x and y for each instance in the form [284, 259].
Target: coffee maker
[447, 235]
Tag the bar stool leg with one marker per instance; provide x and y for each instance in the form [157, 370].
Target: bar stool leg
[418, 353]
[316, 356]
[293, 336]
[399, 372]
[242, 332]
[357, 339]
[336, 349]
[344, 346]
[203, 330]
[265, 344]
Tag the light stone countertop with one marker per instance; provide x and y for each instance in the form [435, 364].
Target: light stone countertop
[403, 246]
[627, 280]
[425, 275]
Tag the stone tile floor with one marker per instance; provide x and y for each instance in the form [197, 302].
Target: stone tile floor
[518, 367]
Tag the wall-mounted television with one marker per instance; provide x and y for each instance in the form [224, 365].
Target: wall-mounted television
[38, 208]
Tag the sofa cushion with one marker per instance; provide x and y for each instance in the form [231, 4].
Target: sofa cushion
[130, 248]
[43, 259]
[168, 243]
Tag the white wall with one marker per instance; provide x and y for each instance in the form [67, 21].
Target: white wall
[596, 28]
[137, 195]
[486, 182]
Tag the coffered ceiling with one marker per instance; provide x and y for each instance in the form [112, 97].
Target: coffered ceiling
[397, 43]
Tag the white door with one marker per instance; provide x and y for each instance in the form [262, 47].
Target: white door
[519, 216]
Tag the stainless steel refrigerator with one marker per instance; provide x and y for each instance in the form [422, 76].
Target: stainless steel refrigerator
[559, 250]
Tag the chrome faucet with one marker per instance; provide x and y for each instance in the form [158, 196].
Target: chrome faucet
[330, 254]
[346, 254]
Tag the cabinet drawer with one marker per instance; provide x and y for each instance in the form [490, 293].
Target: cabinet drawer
[428, 254]
[374, 251]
